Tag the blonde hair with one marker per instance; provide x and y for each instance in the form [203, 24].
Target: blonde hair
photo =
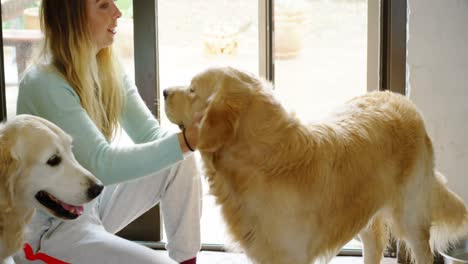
[97, 79]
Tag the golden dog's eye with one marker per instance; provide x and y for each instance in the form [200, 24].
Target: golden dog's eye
[54, 160]
[192, 90]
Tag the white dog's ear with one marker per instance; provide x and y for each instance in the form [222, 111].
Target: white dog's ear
[8, 172]
[220, 122]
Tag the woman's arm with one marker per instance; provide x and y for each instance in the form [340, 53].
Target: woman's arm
[137, 121]
[47, 95]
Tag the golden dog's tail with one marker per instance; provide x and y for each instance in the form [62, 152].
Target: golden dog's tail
[449, 215]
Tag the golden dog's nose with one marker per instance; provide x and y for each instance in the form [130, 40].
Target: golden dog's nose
[165, 93]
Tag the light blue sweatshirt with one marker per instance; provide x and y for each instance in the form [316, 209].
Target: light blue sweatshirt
[45, 93]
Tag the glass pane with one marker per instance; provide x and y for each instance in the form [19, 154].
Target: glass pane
[20, 35]
[320, 54]
[320, 50]
[123, 46]
[194, 35]
[124, 38]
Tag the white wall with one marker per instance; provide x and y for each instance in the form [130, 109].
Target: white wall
[438, 81]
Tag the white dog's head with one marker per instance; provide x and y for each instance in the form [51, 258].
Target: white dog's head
[38, 169]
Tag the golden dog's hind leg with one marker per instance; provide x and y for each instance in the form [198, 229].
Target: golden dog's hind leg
[374, 239]
[418, 241]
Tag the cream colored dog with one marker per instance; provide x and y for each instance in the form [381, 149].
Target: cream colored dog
[38, 170]
[295, 193]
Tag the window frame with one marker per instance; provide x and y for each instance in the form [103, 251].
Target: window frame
[3, 103]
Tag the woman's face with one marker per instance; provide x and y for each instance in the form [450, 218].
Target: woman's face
[102, 19]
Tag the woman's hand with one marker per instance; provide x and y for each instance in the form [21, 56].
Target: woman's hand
[188, 138]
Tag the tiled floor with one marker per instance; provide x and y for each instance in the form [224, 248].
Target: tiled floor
[206, 257]
[210, 257]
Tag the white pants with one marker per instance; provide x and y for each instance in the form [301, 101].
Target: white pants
[90, 239]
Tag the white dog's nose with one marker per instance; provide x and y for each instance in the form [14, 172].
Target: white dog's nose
[95, 190]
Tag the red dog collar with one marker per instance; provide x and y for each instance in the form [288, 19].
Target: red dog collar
[28, 252]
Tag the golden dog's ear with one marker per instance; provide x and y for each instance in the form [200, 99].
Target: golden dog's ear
[218, 126]
[221, 120]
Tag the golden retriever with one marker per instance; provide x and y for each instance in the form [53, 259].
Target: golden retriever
[296, 193]
[38, 170]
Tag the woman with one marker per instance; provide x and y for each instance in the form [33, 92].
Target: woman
[81, 88]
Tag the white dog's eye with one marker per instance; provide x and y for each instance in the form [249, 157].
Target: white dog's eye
[54, 160]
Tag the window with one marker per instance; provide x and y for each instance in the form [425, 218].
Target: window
[20, 31]
[194, 35]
